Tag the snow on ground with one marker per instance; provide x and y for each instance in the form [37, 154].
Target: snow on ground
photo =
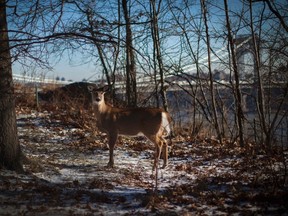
[67, 175]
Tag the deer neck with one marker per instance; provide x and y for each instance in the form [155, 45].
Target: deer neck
[102, 108]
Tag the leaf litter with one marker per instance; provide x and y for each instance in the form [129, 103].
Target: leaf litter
[66, 174]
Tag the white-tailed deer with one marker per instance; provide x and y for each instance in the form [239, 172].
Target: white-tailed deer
[153, 123]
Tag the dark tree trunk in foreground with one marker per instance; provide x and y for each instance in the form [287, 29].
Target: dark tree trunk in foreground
[10, 152]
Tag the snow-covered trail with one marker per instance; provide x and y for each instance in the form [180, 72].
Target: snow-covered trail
[68, 176]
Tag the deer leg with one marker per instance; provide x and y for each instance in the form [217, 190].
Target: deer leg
[158, 147]
[165, 153]
[112, 138]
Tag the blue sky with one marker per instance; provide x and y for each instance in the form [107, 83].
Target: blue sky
[77, 71]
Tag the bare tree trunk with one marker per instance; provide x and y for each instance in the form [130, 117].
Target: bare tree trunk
[211, 82]
[156, 44]
[117, 50]
[195, 59]
[103, 58]
[260, 90]
[155, 70]
[238, 97]
[131, 90]
[10, 152]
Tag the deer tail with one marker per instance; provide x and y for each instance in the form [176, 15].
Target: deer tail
[165, 123]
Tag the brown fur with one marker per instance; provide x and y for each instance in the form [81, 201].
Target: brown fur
[130, 122]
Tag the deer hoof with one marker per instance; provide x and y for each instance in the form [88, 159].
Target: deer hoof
[164, 166]
[110, 165]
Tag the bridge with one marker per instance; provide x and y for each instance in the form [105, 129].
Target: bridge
[25, 79]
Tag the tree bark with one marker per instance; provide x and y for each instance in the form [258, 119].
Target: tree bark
[157, 48]
[131, 90]
[10, 151]
[211, 82]
[237, 93]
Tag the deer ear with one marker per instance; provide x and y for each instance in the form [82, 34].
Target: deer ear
[90, 88]
[105, 88]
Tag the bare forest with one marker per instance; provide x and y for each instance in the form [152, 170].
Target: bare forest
[220, 68]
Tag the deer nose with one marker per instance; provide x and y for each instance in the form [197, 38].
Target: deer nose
[97, 99]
